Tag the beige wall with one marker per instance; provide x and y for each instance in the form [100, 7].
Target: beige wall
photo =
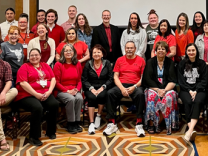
[4, 4]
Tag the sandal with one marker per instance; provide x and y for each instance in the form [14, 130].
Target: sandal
[4, 145]
[151, 130]
[158, 129]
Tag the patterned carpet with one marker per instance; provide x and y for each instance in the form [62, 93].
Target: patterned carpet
[123, 143]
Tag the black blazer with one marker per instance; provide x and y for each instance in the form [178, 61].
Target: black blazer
[91, 80]
[99, 37]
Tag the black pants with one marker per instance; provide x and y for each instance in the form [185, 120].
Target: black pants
[93, 101]
[114, 95]
[36, 107]
[192, 108]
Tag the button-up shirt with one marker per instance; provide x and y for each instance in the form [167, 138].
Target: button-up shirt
[5, 74]
[108, 33]
[5, 27]
[83, 37]
[66, 25]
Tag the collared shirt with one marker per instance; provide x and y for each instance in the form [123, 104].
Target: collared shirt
[5, 27]
[83, 37]
[108, 33]
[66, 25]
[51, 28]
[5, 74]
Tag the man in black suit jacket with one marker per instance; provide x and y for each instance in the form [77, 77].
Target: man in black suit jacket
[108, 36]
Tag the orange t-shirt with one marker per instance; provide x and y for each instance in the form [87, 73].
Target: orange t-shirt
[24, 38]
[182, 41]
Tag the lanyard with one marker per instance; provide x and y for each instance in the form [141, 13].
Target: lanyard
[23, 38]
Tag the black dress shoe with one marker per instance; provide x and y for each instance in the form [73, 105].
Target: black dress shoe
[35, 142]
[72, 129]
[78, 128]
[53, 136]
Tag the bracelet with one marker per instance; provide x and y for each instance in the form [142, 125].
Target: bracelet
[157, 89]
[135, 86]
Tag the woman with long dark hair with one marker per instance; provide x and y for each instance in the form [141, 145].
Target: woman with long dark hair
[136, 33]
[197, 26]
[84, 31]
[192, 78]
[164, 34]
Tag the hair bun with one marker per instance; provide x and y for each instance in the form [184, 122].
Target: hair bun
[152, 11]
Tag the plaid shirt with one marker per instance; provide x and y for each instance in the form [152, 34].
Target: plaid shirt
[5, 74]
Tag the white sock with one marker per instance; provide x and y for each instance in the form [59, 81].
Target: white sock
[98, 115]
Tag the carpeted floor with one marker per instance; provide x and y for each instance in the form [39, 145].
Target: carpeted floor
[123, 143]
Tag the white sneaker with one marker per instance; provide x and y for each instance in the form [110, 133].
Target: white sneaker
[97, 121]
[139, 130]
[91, 129]
[111, 128]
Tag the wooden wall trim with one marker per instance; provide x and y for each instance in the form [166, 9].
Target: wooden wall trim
[33, 12]
[18, 8]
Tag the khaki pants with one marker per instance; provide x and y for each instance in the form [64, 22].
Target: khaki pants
[10, 95]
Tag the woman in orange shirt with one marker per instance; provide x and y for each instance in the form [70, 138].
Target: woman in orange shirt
[183, 36]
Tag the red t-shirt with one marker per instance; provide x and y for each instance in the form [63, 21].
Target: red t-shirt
[45, 53]
[57, 34]
[34, 29]
[205, 48]
[170, 40]
[24, 38]
[28, 73]
[80, 46]
[68, 76]
[98, 71]
[130, 70]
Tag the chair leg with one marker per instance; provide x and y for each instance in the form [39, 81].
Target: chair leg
[5, 128]
[14, 125]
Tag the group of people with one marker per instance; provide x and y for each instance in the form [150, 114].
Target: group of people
[140, 64]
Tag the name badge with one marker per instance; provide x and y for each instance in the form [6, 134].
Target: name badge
[43, 83]
[24, 46]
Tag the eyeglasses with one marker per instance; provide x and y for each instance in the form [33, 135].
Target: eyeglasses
[36, 55]
[22, 22]
[14, 34]
[69, 51]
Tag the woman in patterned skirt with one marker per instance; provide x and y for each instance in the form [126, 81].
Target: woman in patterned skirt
[161, 100]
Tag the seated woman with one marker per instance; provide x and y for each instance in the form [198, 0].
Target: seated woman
[12, 52]
[165, 34]
[35, 83]
[68, 73]
[192, 78]
[44, 43]
[97, 78]
[71, 37]
[161, 100]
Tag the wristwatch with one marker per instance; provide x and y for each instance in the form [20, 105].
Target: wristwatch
[135, 86]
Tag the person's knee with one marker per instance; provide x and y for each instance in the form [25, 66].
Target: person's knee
[37, 109]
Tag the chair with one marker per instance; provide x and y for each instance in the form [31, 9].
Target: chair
[9, 114]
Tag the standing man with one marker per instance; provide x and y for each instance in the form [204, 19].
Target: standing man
[40, 18]
[108, 36]
[72, 12]
[10, 14]
[56, 32]
[128, 73]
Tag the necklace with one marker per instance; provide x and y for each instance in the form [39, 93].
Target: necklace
[97, 66]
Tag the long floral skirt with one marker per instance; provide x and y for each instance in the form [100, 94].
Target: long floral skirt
[167, 105]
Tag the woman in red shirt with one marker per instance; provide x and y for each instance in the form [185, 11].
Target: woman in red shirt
[80, 46]
[183, 36]
[35, 83]
[68, 73]
[164, 34]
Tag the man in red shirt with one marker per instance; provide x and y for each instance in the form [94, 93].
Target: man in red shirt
[108, 36]
[128, 72]
[56, 32]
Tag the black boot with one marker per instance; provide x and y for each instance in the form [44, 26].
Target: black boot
[79, 129]
[71, 128]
